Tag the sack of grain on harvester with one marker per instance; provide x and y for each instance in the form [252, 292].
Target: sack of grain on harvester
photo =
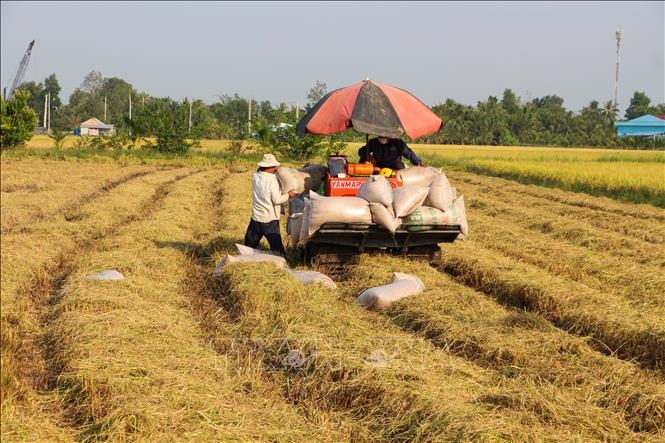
[422, 218]
[336, 210]
[408, 198]
[293, 224]
[381, 297]
[250, 255]
[384, 216]
[418, 176]
[303, 179]
[376, 190]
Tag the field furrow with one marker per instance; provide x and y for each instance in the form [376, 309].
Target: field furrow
[32, 268]
[342, 343]
[610, 320]
[566, 229]
[519, 344]
[546, 324]
[641, 284]
[642, 222]
[33, 189]
[133, 363]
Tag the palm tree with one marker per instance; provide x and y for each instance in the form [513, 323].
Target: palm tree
[610, 111]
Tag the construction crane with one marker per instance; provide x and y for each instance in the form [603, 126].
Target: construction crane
[21, 71]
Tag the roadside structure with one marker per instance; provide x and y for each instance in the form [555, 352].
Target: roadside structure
[94, 126]
[644, 126]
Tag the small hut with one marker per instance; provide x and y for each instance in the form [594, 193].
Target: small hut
[644, 126]
[95, 127]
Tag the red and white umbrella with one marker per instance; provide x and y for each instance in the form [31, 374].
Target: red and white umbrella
[371, 108]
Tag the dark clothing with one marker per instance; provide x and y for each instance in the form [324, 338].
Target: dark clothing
[388, 155]
[257, 230]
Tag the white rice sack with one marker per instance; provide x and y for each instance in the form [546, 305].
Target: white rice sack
[457, 215]
[380, 297]
[384, 216]
[311, 277]
[441, 194]
[303, 238]
[417, 175]
[315, 174]
[291, 178]
[427, 215]
[336, 209]
[279, 262]
[407, 199]
[376, 190]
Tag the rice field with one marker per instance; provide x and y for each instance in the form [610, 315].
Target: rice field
[546, 324]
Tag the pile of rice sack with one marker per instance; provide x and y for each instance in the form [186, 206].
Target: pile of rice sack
[426, 198]
[247, 254]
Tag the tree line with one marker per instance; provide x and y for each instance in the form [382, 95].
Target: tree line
[176, 125]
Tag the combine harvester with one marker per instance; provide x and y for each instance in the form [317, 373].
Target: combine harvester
[340, 243]
[370, 108]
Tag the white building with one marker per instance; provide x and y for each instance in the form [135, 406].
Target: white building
[94, 126]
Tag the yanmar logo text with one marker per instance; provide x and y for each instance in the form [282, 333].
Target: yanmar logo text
[346, 184]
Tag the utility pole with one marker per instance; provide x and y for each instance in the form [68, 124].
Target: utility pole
[130, 105]
[297, 109]
[249, 118]
[619, 36]
[189, 128]
[45, 108]
[48, 112]
[104, 109]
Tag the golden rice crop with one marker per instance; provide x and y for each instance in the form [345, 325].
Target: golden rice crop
[548, 328]
[520, 344]
[30, 262]
[340, 334]
[34, 189]
[134, 363]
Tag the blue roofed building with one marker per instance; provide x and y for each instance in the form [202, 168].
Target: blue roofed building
[645, 126]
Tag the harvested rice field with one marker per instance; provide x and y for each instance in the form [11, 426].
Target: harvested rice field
[546, 324]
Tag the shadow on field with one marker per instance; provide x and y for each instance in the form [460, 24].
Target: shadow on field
[178, 245]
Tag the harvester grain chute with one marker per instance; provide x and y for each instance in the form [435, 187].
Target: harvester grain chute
[370, 107]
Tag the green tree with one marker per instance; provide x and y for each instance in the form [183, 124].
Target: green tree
[116, 92]
[17, 120]
[231, 114]
[36, 99]
[168, 122]
[639, 105]
[658, 109]
[52, 87]
[58, 138]
[315, 94]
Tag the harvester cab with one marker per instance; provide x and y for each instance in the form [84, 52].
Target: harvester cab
[344, 179]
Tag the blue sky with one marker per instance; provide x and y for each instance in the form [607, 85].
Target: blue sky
[277, 51]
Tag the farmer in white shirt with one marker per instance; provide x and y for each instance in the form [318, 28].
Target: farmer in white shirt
[267, 197]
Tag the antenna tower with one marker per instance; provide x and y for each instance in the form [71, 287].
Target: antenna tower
[619, 36]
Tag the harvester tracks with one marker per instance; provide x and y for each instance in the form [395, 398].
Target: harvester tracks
[39, 358]
[72, 206]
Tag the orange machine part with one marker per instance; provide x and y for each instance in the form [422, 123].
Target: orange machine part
[348, 186]
[359, 169]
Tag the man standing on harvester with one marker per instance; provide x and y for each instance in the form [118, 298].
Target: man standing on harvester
[385, 152]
